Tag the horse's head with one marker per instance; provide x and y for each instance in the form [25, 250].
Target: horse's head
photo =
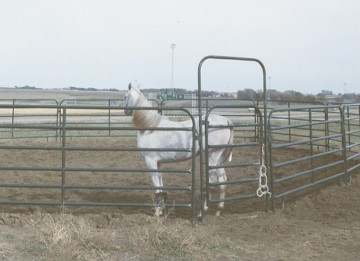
[130, 99]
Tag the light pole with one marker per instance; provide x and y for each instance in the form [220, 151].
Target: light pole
[172, 46]
[269, 89]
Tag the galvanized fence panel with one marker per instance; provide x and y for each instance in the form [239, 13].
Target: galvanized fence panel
[312, 140]
[352, 137]
[66, 172]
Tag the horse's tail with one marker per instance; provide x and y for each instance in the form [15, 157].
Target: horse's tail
[227, 153]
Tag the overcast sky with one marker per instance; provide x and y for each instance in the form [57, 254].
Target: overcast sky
[307, 45]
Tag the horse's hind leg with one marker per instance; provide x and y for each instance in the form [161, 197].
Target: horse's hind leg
[212, 179]
[221, 178]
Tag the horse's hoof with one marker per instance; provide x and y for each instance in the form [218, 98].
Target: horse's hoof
[158, 212]
[218, 213]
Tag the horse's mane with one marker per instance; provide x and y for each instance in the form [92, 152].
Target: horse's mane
[145, 118]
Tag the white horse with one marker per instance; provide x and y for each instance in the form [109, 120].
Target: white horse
[176, 139]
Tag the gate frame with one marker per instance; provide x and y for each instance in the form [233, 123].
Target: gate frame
[202, 122]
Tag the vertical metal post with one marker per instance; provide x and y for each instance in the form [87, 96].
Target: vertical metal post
[63, 156]
[13, 119]
[199, 139]
[193, 169]
[327, 142]
[109, 117]
[289, 121]
[172, 66]
[343, 132]
[270, 162]
[311, 144]
[348, 124]
[58, 122]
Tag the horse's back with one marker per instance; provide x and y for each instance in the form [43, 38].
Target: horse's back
[219, 119]
[215, 121]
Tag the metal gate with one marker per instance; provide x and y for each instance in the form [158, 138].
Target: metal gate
[247, 154]
[247, 121]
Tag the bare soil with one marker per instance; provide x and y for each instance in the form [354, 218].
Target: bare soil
[324, 224]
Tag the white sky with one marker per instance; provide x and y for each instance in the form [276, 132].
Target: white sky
[307, 46]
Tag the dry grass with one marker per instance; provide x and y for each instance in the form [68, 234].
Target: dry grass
[64, 236]
[68, 237]
[163, 241]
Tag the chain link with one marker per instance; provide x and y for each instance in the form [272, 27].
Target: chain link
[263, 186]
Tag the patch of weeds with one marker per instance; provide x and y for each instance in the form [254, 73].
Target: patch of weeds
[32, 245]
[162, 241]
[225, 248]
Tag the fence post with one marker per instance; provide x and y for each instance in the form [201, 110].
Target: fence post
[109, 117]
[13, 119]
[58, 123]
[343, 139]
[311, 144]
[289, 120]
[63, 156]
[327, 145]
[269, 162]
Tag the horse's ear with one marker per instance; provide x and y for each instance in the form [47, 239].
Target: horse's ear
[129, 86]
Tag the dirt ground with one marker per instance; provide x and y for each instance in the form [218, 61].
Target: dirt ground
[321, 225]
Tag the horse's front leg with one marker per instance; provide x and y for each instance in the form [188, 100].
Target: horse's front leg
[156, 178]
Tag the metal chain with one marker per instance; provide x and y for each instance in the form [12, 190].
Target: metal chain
[263, 186]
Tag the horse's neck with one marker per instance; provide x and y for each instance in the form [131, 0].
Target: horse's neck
[145, 118]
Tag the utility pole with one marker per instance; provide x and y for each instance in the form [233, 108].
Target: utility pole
[172, 46]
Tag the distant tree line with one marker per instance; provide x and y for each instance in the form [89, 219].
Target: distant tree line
[246, 94]
[184, 91]
[26, 87]
[89, 89]
[323, 96]
[250, 94]
[72, 88]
